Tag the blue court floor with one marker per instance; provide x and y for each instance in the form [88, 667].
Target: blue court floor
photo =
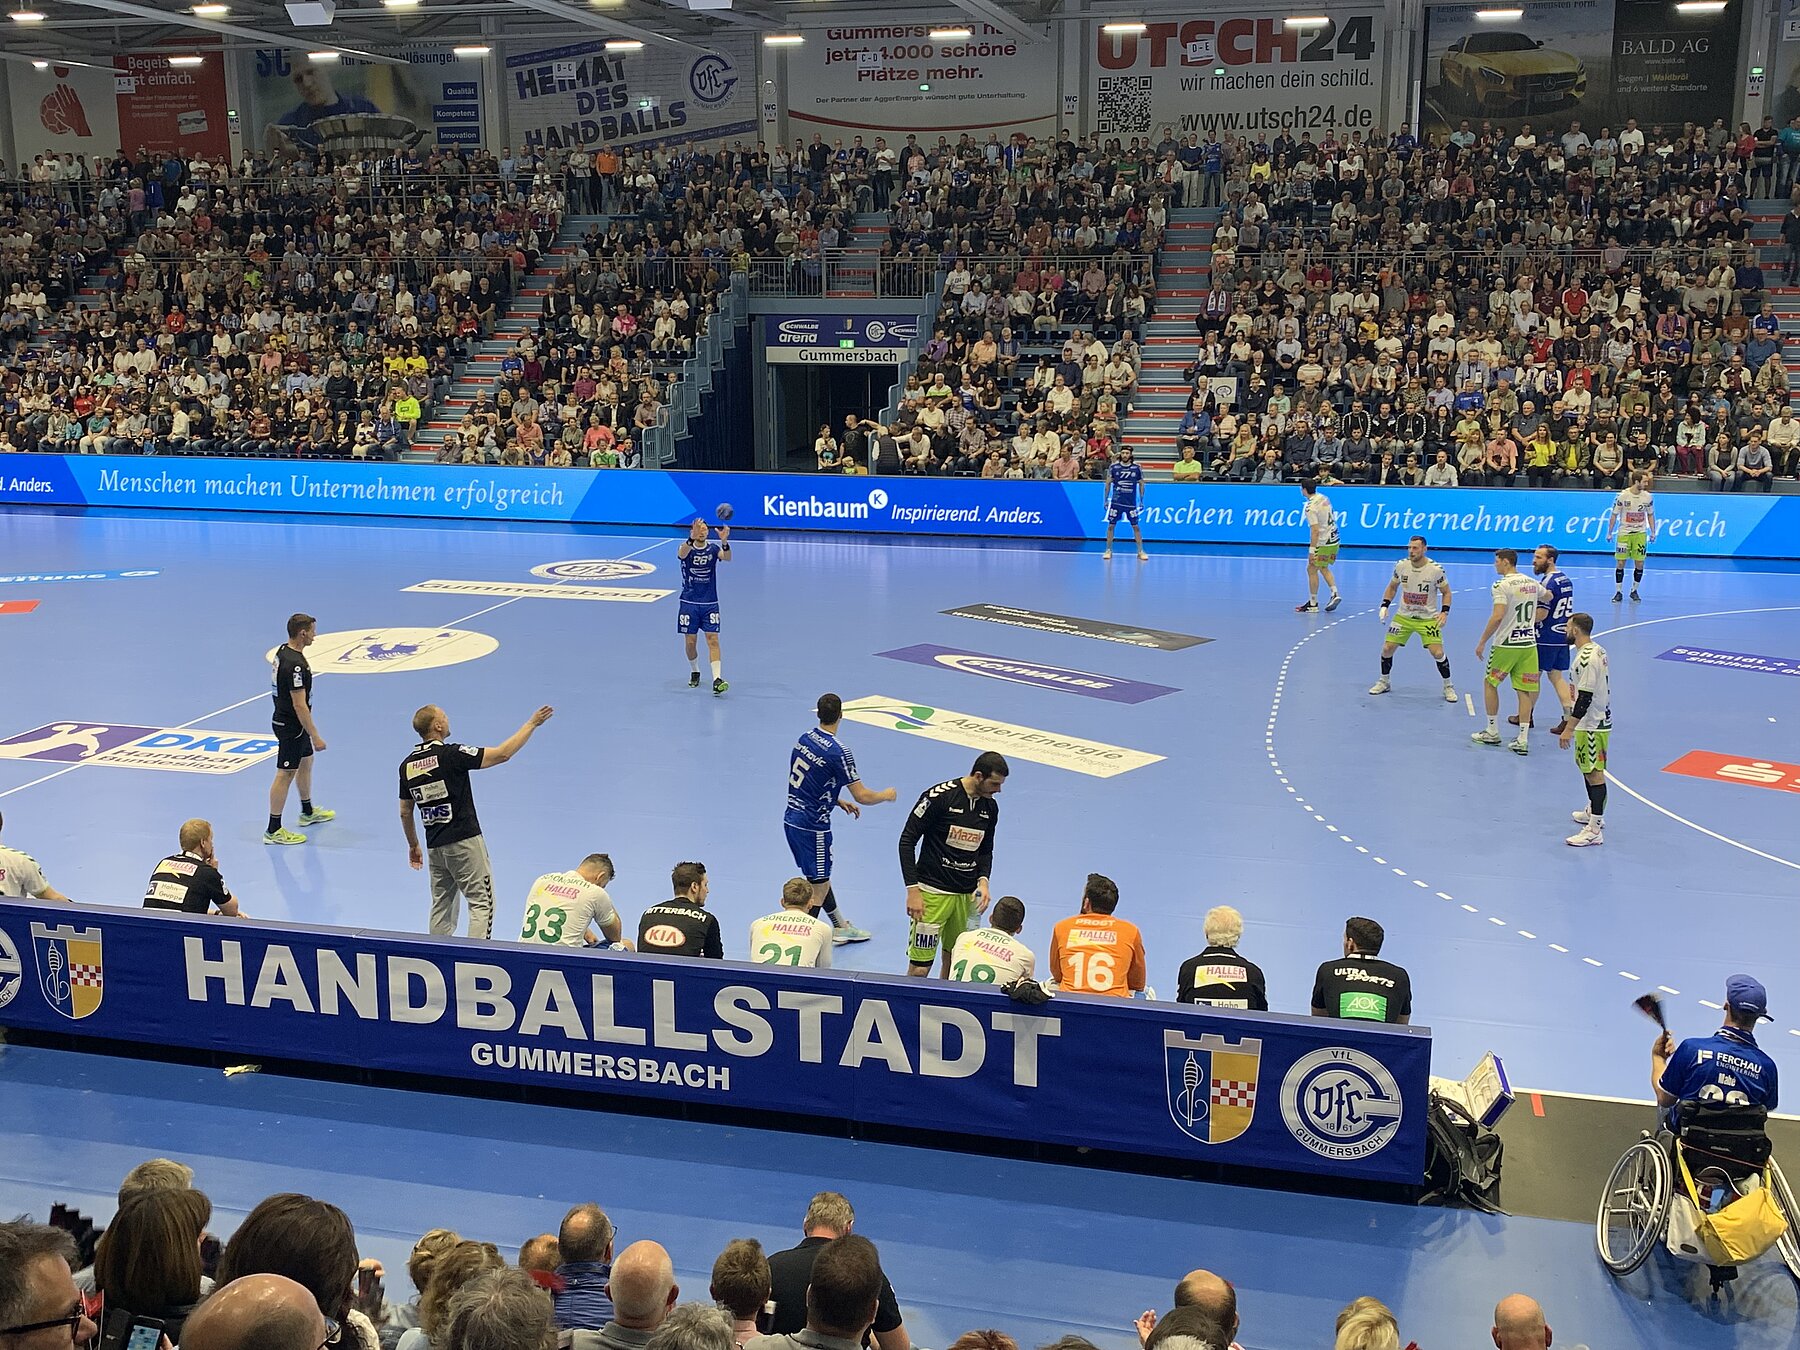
[1282, 787]
[1035, 1250]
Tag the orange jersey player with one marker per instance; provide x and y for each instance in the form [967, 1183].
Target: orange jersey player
[1094, 952]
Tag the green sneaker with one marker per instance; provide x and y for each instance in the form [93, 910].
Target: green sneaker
[317, 816]
[284, 837]
[720, 686]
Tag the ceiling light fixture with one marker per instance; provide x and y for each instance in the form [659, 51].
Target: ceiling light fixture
[1124, 29]
[783, 39]
[211, 11]
[1305, 21]
[474, 49]
[624, 45]
[323, 56]
[186, 60]
[27, 16]
[951, 34]
[1499, 15]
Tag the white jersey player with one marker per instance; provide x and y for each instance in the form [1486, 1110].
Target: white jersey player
[1633, 530]
[792, 936]
[1589, 727]
[994, 955]
[1424, 594]
[572, 909]
[1321, 547]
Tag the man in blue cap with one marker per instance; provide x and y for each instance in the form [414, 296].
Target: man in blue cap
[1727, 1068]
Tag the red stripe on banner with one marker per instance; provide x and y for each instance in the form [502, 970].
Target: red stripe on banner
[17, 606]
[1537, 1105]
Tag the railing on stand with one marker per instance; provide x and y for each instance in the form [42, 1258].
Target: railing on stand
[726, 328]
[921, 335]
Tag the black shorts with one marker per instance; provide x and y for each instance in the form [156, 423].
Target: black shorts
[292, 746]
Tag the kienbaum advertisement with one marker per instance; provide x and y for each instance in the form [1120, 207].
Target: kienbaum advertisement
[583, 96]
[1595, 62]
[1225, 74]
[351, 108]
[896, 79]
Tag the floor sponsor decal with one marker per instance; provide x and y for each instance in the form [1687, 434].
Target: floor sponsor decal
[17, 606]
[1704, 656]
[1764, 773]
[545, 590]
[386, 651]
[1093, 758]
[28, 578]
[594, 569]
[1070, 626]
[1032, 673]
[120, 746]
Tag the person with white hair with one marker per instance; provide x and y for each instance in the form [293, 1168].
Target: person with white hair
[1218, 976]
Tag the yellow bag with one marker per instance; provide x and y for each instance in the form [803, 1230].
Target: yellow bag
[1742, 1230]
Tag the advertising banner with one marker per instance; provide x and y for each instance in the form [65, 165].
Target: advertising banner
[357, 107]
[1697, 524]
[896, 79]
[1593, 61]
[582, 96]
[1291, 1094]
[167, 107]
[838, 339]
[1227, 74]
[62, 109]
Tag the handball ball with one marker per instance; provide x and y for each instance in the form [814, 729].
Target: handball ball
[724, 512]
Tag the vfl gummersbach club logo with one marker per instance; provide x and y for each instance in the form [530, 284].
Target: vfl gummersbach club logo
[1341, 1103]
[70, 971]
[593, 569]
[1211, 1084]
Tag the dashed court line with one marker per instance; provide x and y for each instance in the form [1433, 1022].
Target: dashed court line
[1529, 936]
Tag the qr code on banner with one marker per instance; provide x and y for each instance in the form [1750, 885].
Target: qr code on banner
[1124, 105]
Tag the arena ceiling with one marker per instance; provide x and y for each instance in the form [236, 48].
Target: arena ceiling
[97, 30]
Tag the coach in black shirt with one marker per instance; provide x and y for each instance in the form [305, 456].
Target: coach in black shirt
[1361, 986]
[1219, 977]
[828, 1216]
[683, 926]
[189, 881]
[435, 779]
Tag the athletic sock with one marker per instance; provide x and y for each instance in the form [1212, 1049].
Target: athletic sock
[830, 905]
[1524, 729]
[1494, 722]
[1387, 666]
[715, 670]
[274, 824]
[305, 806]
[1596, 801]
[694, 664]
[1444, 668]
[1619, 575]
[1637, 576]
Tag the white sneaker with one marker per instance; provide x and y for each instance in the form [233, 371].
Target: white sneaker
[1579, 817]
[1485, 737]
[1106, 556]
[1381, 686]
[1449, 692]
[1585, 837]
[1520, 746]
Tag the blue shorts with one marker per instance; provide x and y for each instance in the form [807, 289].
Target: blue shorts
[1115, 513]
[697, 618]
[811, 850]
[1553, 656]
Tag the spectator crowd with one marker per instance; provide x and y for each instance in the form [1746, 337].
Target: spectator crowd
[292, 1277]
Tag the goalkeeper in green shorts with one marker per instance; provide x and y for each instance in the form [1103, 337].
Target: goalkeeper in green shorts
[946, 855]
[1513, 625]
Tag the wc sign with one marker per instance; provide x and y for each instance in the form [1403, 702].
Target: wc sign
[118, 746]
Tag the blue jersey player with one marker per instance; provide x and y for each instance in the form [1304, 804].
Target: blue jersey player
[700, 558]
[1554, 609]
[1124, 497]
[820, 768]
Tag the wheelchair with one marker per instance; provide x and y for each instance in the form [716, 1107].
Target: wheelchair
[1726, 1149]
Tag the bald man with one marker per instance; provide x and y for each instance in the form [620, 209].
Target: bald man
[1518, 1325]
[643, 1291]
[257, 1312]
[1211, 1294]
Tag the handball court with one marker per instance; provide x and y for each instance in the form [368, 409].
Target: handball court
[1264, 777]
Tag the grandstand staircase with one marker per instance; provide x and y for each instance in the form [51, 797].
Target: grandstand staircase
[482, 369]
[852, 276]
[1782, 301]
[1183, 274]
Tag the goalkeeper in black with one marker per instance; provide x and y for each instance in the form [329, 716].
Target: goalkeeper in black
[946, 854]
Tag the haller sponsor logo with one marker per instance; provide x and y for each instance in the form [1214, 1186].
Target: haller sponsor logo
[1093, 758]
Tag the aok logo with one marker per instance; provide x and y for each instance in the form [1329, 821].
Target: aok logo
[1764, 773]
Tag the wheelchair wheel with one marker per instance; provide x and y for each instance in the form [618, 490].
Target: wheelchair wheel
[1634, 1209]
[1788, 1245]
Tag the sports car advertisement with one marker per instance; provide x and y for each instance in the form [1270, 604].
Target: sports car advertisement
[1560, 62]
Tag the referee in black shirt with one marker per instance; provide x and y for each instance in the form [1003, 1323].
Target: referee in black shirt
[435, 779]
[189, 881]
[296, 734]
